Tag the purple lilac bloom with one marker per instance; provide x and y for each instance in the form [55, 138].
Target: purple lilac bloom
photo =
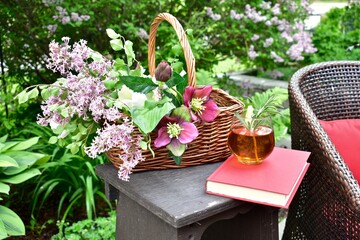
[51, 117]
[212, 15]
[268, 42]
[292, 6]
[287, 36]
[276, 57]
[235, 15]
[254, 15]
[275, 74]
[52, 28]
[143, 34]
[85, 17]
[306, 5]
[252, 53]
[118, 136]
[255, 37]
[276, 9]
[101, 67]
[63, 59]
[81, 92]
[265, 5]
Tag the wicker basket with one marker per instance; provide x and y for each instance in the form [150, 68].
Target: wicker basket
[211, 143]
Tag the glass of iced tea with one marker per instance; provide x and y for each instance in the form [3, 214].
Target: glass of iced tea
[251, 140]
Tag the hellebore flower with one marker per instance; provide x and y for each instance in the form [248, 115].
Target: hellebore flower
[200, 104]
[175, 133]
[163, 71]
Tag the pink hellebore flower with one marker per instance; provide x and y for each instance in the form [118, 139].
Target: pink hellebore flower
[200, 104]
[175, 133]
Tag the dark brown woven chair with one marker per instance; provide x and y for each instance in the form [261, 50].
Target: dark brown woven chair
[327, 204]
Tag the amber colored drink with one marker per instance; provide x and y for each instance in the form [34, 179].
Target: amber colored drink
[251, 147]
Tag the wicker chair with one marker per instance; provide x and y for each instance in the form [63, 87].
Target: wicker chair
[327, 204]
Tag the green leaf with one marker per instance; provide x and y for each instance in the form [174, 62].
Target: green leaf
[3, 233]
[148, 117]
[22, 177]
[128, 47]
[177, 67]
[22, 97]
[110, 84]
[177, 159]
[7, 145]
[3, 138]
[177, 49]
[139, 84]
[96, 56]
[12, 222]
[143, 145]
[53, 140]
[6, 161]
[112, 34]
[33, 93]
[116, 44]
[4, 188]
[177, 81]
[25, 144]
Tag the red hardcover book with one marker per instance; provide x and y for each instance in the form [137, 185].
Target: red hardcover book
[273, 182]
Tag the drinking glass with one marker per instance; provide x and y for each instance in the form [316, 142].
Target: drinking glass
[251, 140]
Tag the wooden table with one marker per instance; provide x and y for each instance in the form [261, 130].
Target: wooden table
[172, 204]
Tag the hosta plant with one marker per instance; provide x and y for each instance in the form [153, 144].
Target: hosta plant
[17, 165]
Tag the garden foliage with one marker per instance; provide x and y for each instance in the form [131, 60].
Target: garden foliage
[337, 37]
[17, 165]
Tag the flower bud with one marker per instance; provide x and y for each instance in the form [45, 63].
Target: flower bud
[163, 71]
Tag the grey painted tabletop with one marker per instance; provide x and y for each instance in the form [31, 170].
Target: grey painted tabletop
[177, 195]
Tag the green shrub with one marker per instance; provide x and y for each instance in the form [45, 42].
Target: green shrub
[337, 37]
[100, 228]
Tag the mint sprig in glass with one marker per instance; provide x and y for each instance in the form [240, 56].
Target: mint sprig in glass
[251, 138]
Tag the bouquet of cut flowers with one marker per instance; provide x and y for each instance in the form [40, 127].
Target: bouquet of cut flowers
[99, 103]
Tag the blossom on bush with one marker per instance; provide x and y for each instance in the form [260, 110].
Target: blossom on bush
[258, 30]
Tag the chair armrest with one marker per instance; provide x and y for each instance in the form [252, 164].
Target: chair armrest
[308, 134]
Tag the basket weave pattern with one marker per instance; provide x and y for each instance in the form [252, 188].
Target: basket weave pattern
[211, 143]
[327, 204]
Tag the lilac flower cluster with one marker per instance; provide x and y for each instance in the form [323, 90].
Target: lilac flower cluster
[81, 94]
[143, 34]
[118, 136]
[212, 15]
[51, 2]
[63, 16]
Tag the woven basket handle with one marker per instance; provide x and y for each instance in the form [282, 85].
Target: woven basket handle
[189, 57]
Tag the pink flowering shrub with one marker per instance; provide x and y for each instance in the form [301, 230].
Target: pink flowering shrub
[261, 33]
[98, 103]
